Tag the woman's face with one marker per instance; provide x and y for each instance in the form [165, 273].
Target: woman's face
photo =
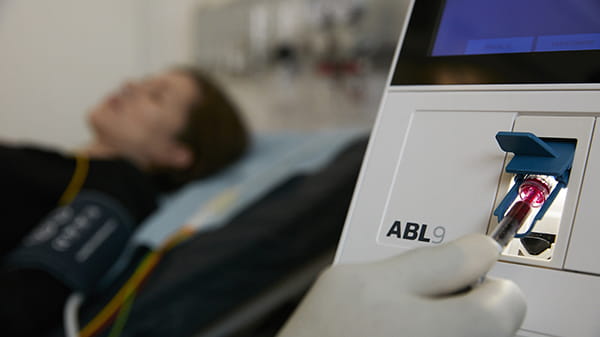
[142, 118]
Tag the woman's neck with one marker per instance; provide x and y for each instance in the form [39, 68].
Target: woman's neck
[99, 150]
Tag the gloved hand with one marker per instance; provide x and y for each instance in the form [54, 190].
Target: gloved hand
[424, 292]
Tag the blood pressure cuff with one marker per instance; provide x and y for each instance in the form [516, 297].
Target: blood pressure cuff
[77, 243]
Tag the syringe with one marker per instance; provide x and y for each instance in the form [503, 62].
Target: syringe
[532, 194]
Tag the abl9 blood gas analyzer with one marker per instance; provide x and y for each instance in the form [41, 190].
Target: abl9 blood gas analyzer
[492, 103]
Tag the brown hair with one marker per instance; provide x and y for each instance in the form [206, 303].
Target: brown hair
[214, 132]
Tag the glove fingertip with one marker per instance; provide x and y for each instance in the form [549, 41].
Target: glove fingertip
[504, 301]
[451, 267]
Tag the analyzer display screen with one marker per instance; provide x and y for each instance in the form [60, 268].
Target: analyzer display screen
[476, 27]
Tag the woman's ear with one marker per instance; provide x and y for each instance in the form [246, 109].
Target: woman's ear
[176, 155]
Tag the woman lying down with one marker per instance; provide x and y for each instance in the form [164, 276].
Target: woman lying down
[66, 217]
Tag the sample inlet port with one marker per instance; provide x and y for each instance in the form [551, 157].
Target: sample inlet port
[535, 198]
[523, 241]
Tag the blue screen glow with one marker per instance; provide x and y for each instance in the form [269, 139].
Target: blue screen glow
[473, 27]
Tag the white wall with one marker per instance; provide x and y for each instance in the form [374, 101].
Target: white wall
[167, 32]
[59, 57]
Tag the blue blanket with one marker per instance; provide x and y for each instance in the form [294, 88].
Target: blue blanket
[209, 203]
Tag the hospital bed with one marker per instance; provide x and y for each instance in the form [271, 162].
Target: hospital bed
[265, 228]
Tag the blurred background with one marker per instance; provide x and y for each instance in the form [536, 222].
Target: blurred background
[289, 64]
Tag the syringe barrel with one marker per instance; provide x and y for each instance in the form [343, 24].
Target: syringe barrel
[510, 224]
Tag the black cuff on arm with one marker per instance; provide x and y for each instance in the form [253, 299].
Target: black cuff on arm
[77, 243]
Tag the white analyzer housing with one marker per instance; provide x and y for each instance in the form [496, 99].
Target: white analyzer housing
[434, 172]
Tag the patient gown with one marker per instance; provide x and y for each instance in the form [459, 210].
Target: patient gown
[32, 180]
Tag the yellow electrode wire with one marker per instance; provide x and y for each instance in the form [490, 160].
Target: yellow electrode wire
[125, 308]
[148, 263]
[82, 166]
[122, 318]
[218, 204]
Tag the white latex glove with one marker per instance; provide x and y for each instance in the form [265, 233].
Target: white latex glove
[422, 293]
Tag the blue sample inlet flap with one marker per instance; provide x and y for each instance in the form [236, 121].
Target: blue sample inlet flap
[533, 155]
[536, 156]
